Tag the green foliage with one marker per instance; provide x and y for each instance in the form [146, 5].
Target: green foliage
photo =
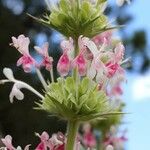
[76, 101]
[75, 18]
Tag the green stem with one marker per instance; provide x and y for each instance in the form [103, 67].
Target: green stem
[41, 78]
[101, 140]
[71, 135]
[76, 52]
[52, 74]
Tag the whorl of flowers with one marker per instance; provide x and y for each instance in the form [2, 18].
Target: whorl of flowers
[90, 71]
[73, 18]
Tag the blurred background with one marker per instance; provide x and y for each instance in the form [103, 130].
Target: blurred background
[21, 121]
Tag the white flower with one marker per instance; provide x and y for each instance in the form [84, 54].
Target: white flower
[8, 74]
[17, 86]
[19, 148]
[16, 92]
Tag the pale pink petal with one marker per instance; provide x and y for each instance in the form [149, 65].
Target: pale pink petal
[21, 44]
[111, 69]
[91, 72]
[118, 77]
[42, 50]
[100, 39]
[67, 45]
[119, 53]
[54, 139]
[82, 42]
[98, 64]
[80, 63]
[27, 68]
[7, 141]
[15, 42]
[44, 141]
[116, 90]
[27, 62]
[63, 65]
[47, 61]
[93, 48]
[20, 61]
[44, 136]
[27, 147]
[100, 77]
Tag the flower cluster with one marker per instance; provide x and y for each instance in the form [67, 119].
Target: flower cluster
[101, 63]
[91, 72]
[56, 142]
[27, 61]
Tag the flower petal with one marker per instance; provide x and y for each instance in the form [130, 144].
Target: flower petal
[27, 147]
[67, 45]
[63, 65]
[21, 44]
[119, 52]
[8, 74]
[93, 48]
[7, 141]
[16, 93]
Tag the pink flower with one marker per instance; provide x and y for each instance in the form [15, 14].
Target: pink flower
[105, 63]
[7, 141]
[99, 39]
[88, 137]
[111, 69]
[56, 142]
[82, 42]
[44, 141]
[89, 140]
[97, 68]
[80, 63]
[67, 45]
[118, 53]
[63, 65]
[47, 60]
[116, 90]
[22, 45]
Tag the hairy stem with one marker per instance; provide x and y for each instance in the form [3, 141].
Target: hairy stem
[41, 78]
[71, 135]
[52, 74]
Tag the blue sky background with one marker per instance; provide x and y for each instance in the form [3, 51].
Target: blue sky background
[137, 89]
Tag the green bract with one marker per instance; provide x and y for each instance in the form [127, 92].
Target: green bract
[73, 18]
[76, 101]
